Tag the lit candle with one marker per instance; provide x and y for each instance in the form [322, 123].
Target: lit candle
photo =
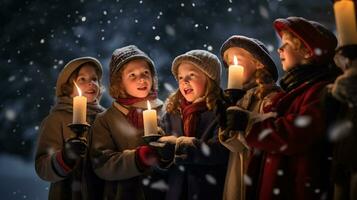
[345, 22]
[79, 108]
[150, 121]
[235, 75]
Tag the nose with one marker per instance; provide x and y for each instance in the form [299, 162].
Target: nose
[186, 79]
[280, 49]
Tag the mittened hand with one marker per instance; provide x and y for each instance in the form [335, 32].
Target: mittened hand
[237, 118]
[74, 149]
[146, 157]
[165, 147]
[185, 144]
[345, 87]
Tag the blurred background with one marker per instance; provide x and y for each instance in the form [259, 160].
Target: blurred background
[39, 37]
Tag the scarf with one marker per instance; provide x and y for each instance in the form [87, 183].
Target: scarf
[65, 103]
[135, 115]
[302, 74]
[190, 114]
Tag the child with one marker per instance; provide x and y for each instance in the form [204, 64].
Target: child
[341, 103]
[61, 159]
[118, 153]
[199, 159]
[297, 155]
[259, 78]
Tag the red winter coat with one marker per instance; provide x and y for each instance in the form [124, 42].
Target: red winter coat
[296, 156]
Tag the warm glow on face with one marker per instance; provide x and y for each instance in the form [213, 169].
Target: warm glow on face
[78, 89]
[149, 106]
[235, 60]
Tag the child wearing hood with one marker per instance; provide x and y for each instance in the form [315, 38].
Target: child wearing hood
[61, 158]
[118, 152]
[197, 161]
[260, 74]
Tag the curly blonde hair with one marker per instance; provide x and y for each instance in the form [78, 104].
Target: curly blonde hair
[212, 93]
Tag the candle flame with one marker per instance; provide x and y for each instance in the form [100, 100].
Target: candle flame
[78, 89]
[149, 106]
[235, 60]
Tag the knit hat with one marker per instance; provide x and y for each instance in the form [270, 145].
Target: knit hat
[126, 54]
[317, 38]
[204, 60]
[255, 47]
[70, 67]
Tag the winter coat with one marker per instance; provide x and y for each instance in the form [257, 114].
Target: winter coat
[342, 121]
[201, 174]
[115, 141]
[296, 154]
[54, 131]
[234, 187]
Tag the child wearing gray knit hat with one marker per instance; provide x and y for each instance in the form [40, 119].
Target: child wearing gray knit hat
[191, 123]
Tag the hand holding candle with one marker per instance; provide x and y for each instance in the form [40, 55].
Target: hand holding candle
[79, 108]
[150, 121]
[345, 22]
[235, 75]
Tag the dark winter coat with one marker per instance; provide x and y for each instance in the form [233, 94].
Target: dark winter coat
[113, 155]
[296, 155]
[201, 174]
[54, 131]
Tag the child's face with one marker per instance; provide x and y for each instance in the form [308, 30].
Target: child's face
[87, 81]
[289, 55]
[192, 82]
[137, 78]
[244, 58]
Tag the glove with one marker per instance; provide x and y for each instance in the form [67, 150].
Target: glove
[74, 149]
[237, 119]
[345, 87]
[165, 147]
[145, 157]
[185, 146]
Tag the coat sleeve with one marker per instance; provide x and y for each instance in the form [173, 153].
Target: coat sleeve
[292, 132]
[109, 162]
[48, 163]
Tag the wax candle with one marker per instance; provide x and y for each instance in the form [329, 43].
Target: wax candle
[150, 121]
[235, 75]
[79, 108]
[345, 22]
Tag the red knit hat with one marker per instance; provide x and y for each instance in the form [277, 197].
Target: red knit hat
[317, 38]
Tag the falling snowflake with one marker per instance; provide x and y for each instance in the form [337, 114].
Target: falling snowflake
[181, 168]
[182, 5]
[10, 114]
[205, 149]
[340, 130]
[157, 38]
[169, 87]
[276, 191]
[170, 30]
[283, 147]
[153, 27]
[136, 21]
[83, 19]
[60, 62]
[247, 180]
[11, 78]
[193, 4]
[42, 41]
[209, 48]
[302, 121]
[270, 48]
[105, 12]
[318, 51]
[229, 9]
[317, 191]
[264, 133]
[196, 25]
[146, 181]
[264, 12]
[280, 172]
[160, 185]
[307, 184]
[210, 179]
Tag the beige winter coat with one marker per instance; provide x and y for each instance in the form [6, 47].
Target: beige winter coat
[113, 152]
[234, 187]
[54, 131]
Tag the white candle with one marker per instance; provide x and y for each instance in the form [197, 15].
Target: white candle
[345, 22]
[150, 121]
[235, 75]
[79, 108]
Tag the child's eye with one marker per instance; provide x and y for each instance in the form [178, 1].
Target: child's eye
[180, 78]
[131, 75]
[192, 74]
[81, 79]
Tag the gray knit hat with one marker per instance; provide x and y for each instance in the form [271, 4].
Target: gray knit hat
[254, 47]
[70, 67]
[204, 60]
[125, 54]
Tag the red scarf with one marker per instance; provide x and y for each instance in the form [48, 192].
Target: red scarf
[190, 112]
[135, 115]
